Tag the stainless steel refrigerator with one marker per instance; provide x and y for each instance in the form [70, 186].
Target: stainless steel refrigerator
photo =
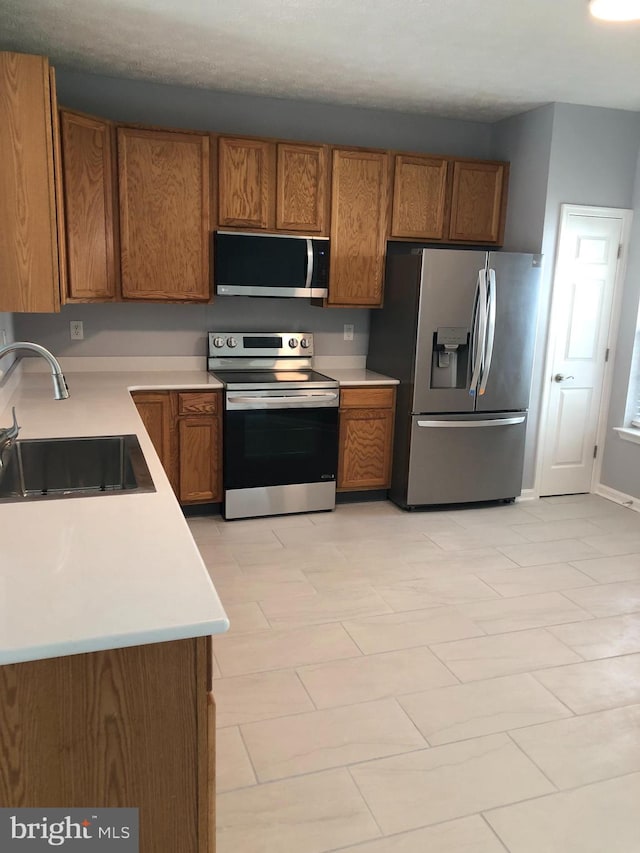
[458, 330]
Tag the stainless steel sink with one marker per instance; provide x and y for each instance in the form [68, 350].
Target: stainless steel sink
[40, 469]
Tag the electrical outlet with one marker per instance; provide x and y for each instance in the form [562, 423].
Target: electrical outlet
[76, 330]
[348, 332]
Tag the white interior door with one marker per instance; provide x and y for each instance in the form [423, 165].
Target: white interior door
[580, 325]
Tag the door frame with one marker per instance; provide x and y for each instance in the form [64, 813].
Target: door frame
[625, 215]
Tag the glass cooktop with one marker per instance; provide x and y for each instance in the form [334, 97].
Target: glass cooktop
[235, 379]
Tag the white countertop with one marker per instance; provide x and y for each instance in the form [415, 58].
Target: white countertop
[83, 574]
[358, 376]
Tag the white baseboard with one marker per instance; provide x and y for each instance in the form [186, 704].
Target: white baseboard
[527, 495]
[618, 497]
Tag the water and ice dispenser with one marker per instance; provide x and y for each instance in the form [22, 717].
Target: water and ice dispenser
[450, 358]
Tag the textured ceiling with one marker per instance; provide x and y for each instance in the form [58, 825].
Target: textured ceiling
[459, 58]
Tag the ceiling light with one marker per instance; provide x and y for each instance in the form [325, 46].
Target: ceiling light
[615, 10]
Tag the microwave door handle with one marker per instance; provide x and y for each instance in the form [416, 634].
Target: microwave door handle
[310, 259]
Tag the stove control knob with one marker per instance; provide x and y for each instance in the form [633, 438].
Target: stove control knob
[232, 342]
[305, 342]
[218, 342]
[293, 343]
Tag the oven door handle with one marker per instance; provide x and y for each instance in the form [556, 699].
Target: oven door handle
[289, 401]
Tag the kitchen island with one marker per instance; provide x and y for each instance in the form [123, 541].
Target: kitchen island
[106, 613]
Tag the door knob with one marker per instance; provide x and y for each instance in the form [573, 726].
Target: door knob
[560, 377]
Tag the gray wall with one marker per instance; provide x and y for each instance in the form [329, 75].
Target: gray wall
[126, 329]
[593, 160]
[525, 142]
[570, 154]
[201, 109]
[621, 462]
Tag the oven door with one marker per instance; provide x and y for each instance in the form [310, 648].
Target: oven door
[279, 439]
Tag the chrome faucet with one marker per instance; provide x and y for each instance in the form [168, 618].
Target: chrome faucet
[60, 389]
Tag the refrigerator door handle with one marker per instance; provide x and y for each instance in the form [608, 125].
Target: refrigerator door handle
[491, 331]
[494, 422]
[479, 331]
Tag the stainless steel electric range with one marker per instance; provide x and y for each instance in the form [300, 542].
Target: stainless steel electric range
[280, 424]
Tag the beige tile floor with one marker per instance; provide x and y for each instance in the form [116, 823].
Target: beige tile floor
[463, 681]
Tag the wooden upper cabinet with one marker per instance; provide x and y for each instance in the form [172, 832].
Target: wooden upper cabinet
[29, 218]
[246, 170]
[359, 222]
[164, 215]
[419, 196]
[478, 201]
[88, 179]
[302, 188]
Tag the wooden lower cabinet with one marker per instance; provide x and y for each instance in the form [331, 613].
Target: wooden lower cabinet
[198, 446]
[154, 407]
[186, 430]
[129, 728]
[366, 438]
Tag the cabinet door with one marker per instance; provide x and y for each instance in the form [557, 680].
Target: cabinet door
[198, 449]
[155, 410]
[365, 449]
[164, 214]
[119, 728]
[478, 202]
[419, 192]
[359, 217]
[366, 437]
[29, 261]
[88, 183]
[245, 183]
[301, 191]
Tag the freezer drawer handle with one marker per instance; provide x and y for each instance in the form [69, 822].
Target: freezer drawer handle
[485, 423]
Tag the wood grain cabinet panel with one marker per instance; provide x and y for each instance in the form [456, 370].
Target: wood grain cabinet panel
[359, 222]
[419, 196]
[29, 220]
[478, 201]
[366, 438]
[199, 443]
[245, 182]
[123, 728]
[302, 188]
[164, 215]
[154, 408]
[185, 428]
[88, 176]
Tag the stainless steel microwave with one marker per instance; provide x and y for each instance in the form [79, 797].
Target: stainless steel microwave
[270, 264]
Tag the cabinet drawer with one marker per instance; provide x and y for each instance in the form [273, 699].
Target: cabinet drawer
[198, 403]
[367, 398]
